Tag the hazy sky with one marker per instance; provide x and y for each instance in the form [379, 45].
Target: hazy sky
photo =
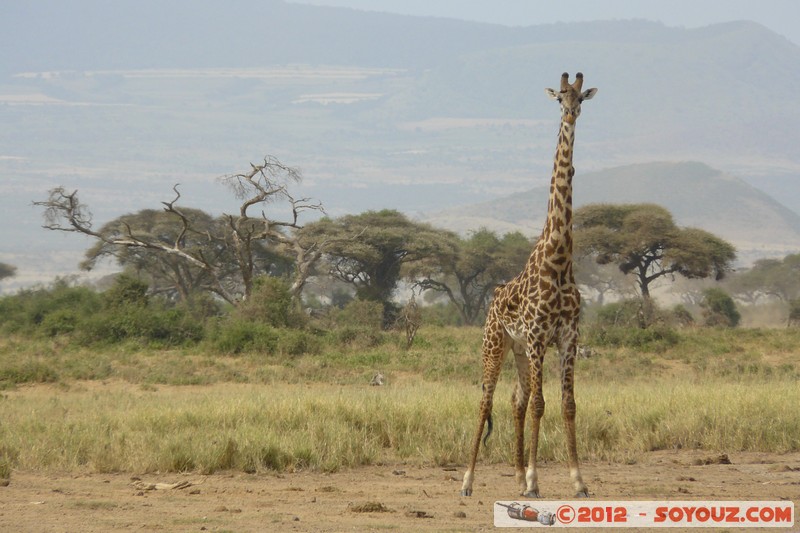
[782, 16]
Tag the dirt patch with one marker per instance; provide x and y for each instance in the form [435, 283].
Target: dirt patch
[400, 497]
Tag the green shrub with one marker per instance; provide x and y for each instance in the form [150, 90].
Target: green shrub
[232, 337]
[681, 316]
[359, 323]
[633, 314]
[29, 371]
[360, 314]
[270, 303]
[794, 312]
[60, 322]
[654, 338]
[11, 313]
[201, 306]
[28, 310]
[152, 325]
[719, 309]
[627, 314]
[126, 291]
[295, 342]
[359, 336]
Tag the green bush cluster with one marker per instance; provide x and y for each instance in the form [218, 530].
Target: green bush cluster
[122, 313]
[149, 324]
[234, 337]
[794, 312]
[654, 339]
[621, 324]
[719, 309]
[270, 303]
[268, 322]
[625, 314]
[48, 310]
[358, 323]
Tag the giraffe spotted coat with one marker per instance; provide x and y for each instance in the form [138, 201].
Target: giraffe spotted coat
[536, 309]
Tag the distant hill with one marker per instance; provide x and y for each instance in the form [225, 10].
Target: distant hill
[663, 91]
[123, 99]
[97, 34]
[696, 194]
[666, 93]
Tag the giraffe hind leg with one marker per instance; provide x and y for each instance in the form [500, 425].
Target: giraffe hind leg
[484, 420]
[494, 348]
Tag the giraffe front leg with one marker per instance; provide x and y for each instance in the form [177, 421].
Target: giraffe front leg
[537, 411]
[568, 412]
[519, 403]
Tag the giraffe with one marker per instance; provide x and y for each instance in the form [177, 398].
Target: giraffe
[538, 308]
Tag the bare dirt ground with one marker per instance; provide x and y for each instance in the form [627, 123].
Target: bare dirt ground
[391, 497]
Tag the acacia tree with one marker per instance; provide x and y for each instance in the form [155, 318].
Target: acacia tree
[468, 270]
[598, 281]
[777, 278]
[168, 274]
[643, 240]
[171, 275]
[369, 250]
[220, 255]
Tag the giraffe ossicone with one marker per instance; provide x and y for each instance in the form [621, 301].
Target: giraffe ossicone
[536, 309]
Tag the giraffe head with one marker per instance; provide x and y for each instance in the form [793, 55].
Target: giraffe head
[570, 97]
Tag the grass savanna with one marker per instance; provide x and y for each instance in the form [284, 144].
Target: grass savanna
[143, 409]
[117, 381]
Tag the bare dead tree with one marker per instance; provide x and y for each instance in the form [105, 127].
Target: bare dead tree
[65, 212]
[266, 183]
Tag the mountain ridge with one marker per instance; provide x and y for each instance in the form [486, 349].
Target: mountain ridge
[715, 201]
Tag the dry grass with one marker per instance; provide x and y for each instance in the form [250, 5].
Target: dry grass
[120, 427]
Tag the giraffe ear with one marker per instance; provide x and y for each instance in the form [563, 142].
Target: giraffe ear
[587, 95]
[552, 94]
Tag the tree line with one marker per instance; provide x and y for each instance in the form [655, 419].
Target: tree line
[182, 252]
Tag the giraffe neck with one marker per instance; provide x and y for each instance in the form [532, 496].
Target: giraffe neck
[558, 228]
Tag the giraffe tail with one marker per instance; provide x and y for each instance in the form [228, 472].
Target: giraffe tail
[490, 426]
[489, 422]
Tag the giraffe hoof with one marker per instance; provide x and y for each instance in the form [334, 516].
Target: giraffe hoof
[531, 494]
[466, 492]
[582, 493]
